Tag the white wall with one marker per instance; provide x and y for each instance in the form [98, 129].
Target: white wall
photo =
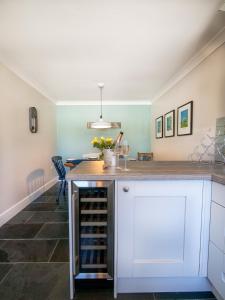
[205, 85]
[25, 164]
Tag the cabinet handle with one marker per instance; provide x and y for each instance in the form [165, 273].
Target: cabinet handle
[126, 189]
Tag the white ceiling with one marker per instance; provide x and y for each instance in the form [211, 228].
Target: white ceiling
[65, 48]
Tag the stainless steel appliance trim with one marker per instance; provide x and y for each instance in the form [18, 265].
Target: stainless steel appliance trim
[93, 223]
[93, 247]
[92, 183]
[94, 266]
[93, 211]
[76, 229]
[115, 281]
[93, 199]
[71, 241]
[110, 228]
[94, 276]
[109, 184]
[93, 235]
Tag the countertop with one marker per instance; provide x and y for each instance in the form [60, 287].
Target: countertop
[149, 170]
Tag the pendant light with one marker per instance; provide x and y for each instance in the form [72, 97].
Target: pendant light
[101, 124]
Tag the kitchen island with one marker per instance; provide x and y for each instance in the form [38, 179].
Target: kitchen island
[144, 170]
[161, 223]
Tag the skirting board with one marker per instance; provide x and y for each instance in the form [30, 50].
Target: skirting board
[216, 294]
[154, 285]
[13, 210]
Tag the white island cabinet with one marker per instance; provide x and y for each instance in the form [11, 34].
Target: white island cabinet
[162, 234]
[216, 267]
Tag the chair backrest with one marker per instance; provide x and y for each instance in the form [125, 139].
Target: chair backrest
[145, 156]
[58, 163]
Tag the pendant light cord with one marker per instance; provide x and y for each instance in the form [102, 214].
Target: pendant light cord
[101, 101]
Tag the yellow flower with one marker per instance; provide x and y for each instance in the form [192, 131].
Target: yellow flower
[95, 140]
[108, 140]
[102, 143]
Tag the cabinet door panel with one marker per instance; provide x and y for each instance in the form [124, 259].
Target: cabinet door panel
[217, 226]
[216, 269]
[218, 193]
[159, 230]
[159, 233]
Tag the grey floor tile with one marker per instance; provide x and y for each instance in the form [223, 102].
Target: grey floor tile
[53, 190]
[19, 231]
[41, 207]
[21, 218]
[61, 253]
[48, 216]
[45, 199]
[138, 296]
[107, 294]
[27, 250]
[2, 242]
[3, 255]
[54, 231]
[185, 295]
[63, 206]
[39, 281]
[4, 270]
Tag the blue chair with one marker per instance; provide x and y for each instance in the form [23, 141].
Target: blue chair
[61, 171]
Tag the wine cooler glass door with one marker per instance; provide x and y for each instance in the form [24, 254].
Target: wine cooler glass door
[94, 229]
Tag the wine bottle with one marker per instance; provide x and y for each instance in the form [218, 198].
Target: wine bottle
[118, 139]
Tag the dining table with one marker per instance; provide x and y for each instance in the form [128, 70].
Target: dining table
[72, 163]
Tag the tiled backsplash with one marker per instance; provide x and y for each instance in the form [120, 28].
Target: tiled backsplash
[220, 134]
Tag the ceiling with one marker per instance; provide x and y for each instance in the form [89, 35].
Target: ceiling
[64, 48]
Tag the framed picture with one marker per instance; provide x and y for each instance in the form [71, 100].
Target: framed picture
[169, 124]
[185, 119]
[159, 127]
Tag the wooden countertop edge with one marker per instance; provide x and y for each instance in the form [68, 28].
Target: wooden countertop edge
[159, 171]
[142, 177]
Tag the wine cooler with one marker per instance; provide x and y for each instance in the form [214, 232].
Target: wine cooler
[92, 230]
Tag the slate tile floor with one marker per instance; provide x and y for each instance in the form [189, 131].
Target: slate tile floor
[34, 257]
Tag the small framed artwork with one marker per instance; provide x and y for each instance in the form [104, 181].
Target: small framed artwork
[169, 124]
[185, 119]
[159, 127]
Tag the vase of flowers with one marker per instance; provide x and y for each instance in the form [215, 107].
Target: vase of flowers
[106, 146]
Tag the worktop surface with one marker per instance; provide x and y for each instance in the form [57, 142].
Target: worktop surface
[148, 170]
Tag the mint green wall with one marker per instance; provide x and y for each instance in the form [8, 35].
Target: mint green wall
[74, 138]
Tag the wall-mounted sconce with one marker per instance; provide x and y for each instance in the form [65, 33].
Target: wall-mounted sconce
[33, 119]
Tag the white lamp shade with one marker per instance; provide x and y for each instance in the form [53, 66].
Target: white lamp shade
[101, 124]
